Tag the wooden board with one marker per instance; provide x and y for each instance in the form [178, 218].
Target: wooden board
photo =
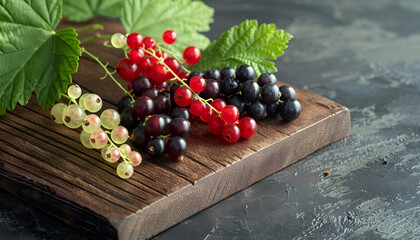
[44, 163]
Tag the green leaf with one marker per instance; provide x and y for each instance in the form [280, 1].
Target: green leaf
[33, 57]
[187, 18]
[84, 10]
[246, 44]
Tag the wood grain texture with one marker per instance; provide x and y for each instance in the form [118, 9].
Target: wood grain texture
[45, 164]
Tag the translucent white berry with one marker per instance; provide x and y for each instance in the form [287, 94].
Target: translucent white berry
[98, 139]
[74, 91]
[82, 100]
[112, 155]
[135, 157]
[104, 149]
[91, 123]
[125, 149]
[57, 112]
[125, 170]
[85, 139]
[92, 103]
[110, 118]
[118, 40]
[73, 116]
[119, 134]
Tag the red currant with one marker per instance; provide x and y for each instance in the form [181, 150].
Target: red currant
[198, 84]
[231, 133]
[169, 36]
[230, 114]
[145, 65]
[216, 125]
[197, 107]
[158, 73]
[191, 55]
[219, 104]
[183, 97]
[183, 75]
[134, 40]
[173, 64]
[149, 43]
[161, 54]
[248, 127]
[162, 86]
[136, 55]
[207, 114]
[127, 69]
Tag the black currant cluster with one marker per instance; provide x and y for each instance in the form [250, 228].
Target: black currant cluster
[154, 123]
[254, 99]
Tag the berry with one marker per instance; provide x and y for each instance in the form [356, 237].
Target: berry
[129, 119]
[198, 84]
[227, 72]
[179, 112]
[149, 43]
[91, 123]
[140, 85]
[169, 37]
[219, 104]
[211, 90]
[156, 147]
[72, 116]
[98, 139]
[273, 109]
[166, 93]
[183, 97]
[119, 134]
[231, 133]
[135, 157]
[110, 119]
[230, 114]
[125, 149]
[143, 106]
[173, 64]
[176, 148]
[193, 74]
[158, 73]
[154, 125]
[238, 101]
[270, 93]
[168, 121]
[250, 90]
[266, 78]
[118, 40]
[74, 91]
[139, 137]
[179, 127]
[248, 127]
[162, 104]
[244, 73]
[197, 107]
[92, 102]
[216, 125]
[161, 54]
[183, 75]
[124, 103]
[57, 112]
[212, 74]
[207, 114]
[229, 86]
[125, 170]
[127, 69]
[287, 92]
[161, 87]
[191, 55]
[151, 93]
[290, 110]
[85, 139]
[145, 65]
[136, 55]
[256, 110]
[134, 41]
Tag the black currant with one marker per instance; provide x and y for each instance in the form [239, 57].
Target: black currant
[212, 74]
[176, 148]
[290, 110]
[179, 127]
[154, 125]
[162, 104]
[227, 72]
[179, 112]
[151, 92]
[229, 86]
[139, 137]
[129, 119]
[266, 78]
[257, 110]
[273, 109]
[156, 147]
[238, 101]
[212, 89]
[244, 73]
[250, 90]
[270, 93]
[140, 85]
[124, 103]
[287, 92]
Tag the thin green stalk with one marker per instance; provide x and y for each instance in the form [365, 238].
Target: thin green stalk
[83, 50]
[176, 57]
[94, 38]
[89, 28]
[69, 98]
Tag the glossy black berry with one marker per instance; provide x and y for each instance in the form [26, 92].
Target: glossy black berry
[139, 137]
[227, 72]
[165, 93]
[162, 104]
[212, 74]
[179, 127]
[229, 86]
[257, 110]
[168, 121]
[176, 148]
[129, 119]
[140, 85]
[266, 78]
[238, 101]
[212, 89]
[273, 109]
[250, 90]
[270, 93]
[124, 103]
[290, 110]
[287, 92]
[154, 125]
[151, 93]
[179, 112]
[244, 73]
[156, 147]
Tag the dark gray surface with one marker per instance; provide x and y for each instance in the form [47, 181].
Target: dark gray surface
[362, 54]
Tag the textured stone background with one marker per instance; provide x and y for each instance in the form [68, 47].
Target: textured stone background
[362, 54]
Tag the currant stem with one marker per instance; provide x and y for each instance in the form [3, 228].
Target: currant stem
[69, 98]
[94, 38]
[83, 50]
[152, 53]
[176, 57]
[122, 155]
[89, 28]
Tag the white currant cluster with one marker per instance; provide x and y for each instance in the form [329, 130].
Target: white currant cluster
[99, 132]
